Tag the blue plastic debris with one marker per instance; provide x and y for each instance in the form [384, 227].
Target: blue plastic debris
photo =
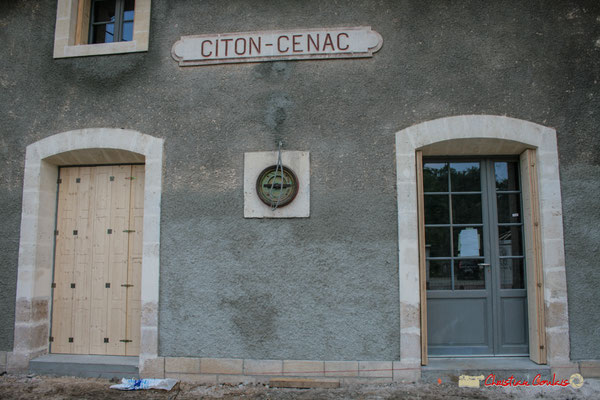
[142, 384]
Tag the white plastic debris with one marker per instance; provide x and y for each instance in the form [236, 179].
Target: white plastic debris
[141, 384]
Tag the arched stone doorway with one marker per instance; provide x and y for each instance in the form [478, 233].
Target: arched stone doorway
[536, 147]
[80, 147]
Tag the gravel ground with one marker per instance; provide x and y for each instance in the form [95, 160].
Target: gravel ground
[53, 388]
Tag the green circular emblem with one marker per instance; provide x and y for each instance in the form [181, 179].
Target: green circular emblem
[277, 187]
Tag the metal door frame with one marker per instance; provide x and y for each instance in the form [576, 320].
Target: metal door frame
[497, 292]
[490, 254]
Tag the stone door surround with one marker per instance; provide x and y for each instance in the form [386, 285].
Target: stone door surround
[482, 135]
[34, 295]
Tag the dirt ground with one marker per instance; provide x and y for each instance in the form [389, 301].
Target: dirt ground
[53, 388]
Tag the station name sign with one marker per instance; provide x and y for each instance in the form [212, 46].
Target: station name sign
[299, 44]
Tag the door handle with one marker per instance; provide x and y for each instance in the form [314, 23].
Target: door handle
[484, 265]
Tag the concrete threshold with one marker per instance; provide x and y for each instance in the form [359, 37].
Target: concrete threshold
[449, 369]
[86, 366]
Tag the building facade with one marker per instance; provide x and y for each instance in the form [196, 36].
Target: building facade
[441, 163]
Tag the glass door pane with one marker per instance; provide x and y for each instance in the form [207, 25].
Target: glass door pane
[458, 289]
[454, 225]
[508, 260]
[510, 226]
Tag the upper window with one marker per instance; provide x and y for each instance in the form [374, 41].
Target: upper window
[111, 21]
[95, 27]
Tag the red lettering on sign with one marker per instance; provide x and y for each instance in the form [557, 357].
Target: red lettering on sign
[279, 44]
[311, 40]
[253, 44]
[338, 41]
[236, 47]
[328, 42]
[296, 43]
[202, 48]
[227, 45]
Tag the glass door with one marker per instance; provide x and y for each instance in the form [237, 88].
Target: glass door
[476, 301]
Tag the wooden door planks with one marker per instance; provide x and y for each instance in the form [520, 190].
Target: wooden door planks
[134, 270]
[95, 311]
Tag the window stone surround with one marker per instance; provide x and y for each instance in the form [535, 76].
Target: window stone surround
[66, 26]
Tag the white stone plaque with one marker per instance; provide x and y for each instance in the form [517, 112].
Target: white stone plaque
[298, 44]
[255, 162]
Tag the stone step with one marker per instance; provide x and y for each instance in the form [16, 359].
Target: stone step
[450, 369]
[85, 366]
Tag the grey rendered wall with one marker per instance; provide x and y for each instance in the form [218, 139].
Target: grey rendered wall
[325, 287]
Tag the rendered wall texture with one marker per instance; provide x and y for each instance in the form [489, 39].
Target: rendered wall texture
[325, 287]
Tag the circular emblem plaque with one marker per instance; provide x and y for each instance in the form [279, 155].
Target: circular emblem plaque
[277, 189]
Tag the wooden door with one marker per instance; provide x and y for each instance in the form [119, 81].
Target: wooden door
[134, 264]
[97, 269]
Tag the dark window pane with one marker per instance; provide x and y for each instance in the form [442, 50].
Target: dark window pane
[507, 175]
[129, 5]
[465, 177]
[104, 11]
[435, 177]
[436, 209]
[511, 273]
[509, 241]
[437, 242]
[103, 33]
[509, 208]
[468, 242]
[439, 275]
[468, 275]
[466, 209]
[128, 31]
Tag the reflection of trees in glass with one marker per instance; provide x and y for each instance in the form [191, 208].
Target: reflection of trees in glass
[436, 209]
[507, 175]
[435, 177]
[466, 209]
[439, 240]
[502, 184]
[465, 178]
